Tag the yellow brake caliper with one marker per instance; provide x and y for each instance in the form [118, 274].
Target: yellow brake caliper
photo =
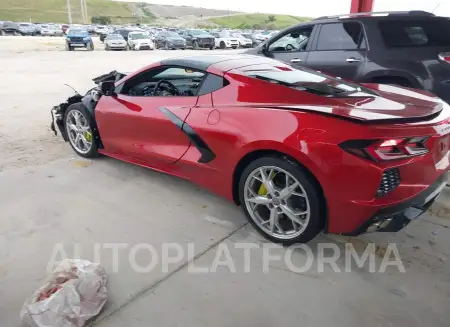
[262, 189]
[88, 136]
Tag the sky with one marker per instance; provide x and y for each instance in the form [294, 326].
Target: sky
[309, 8]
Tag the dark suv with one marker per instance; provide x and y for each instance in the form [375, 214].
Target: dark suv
[404, 48]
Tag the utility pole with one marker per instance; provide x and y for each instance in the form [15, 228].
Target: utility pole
[83, 14]
[86, 12]
[69, 12]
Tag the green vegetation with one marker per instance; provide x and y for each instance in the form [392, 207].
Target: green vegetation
[56, 11]
[258, 21]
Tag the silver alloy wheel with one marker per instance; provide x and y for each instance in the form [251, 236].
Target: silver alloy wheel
[277, 202]
[79, 131]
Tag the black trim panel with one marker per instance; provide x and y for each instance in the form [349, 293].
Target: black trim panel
[197, 141]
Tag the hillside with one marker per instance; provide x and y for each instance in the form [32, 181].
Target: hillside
[257, 21]
[133, 12]
[56, 11]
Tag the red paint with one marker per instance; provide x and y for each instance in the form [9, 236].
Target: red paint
[358, 6]
[252, 118]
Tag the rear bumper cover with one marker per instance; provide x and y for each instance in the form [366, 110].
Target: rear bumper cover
[396, 217]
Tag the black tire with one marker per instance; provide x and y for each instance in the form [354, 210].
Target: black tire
[196, 47]
[107, 48]
[166, 46]
[2, 33]
[317, 216]
[68, 47]
[222, 45]
[81, 108]
[211, 47]
[392, 80]
[90, 46]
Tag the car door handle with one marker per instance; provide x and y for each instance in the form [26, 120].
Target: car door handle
[353, 60]
[296, 60]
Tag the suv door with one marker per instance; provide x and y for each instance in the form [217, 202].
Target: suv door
[292, 46]
[340, 49]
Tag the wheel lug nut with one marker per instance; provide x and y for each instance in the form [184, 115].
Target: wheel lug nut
[279, 209]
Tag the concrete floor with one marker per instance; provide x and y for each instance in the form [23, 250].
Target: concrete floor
[50, 198]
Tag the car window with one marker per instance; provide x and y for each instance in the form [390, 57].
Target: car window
[415, 33]
[340, 36]
[296, 40]
[186, 81]
[305, 80]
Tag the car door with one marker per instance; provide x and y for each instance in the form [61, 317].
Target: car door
[340, 49]
[292, 47]
[145, 129]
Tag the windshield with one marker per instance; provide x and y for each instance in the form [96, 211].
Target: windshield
[114, 37]
[224, 34]
[198, 32]
[239, 36]
[172, 34]
[304, 80]
[78, 32]
[139, 36]
[25, 24]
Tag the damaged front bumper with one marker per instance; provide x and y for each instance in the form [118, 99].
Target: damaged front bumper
[89, 100]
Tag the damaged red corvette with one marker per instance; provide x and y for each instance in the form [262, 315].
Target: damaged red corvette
[299, 150]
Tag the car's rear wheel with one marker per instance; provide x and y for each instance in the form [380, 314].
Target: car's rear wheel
[79, 128]
[281, 200]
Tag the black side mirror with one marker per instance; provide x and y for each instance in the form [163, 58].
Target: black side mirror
[108, 88]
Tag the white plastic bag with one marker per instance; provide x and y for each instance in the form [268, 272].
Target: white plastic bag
[74, 292]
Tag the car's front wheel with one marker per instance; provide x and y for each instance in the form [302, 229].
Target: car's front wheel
[80, 130]
[281, 200]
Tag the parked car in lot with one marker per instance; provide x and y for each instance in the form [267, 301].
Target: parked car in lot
[51, 30]
[27, 29]
[115, 42]
[9, 28]
[78, 38]
[244, 42]
[198, 39]
[380, 152]
[254, 38]
[140, 41]
[169, 40]
[410, 49]
[124, 32]
[225, 40]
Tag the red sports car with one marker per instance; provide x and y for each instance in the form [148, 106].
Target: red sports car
[299, 150]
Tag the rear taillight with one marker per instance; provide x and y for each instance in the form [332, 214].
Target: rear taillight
[445, 56]
[385, 150]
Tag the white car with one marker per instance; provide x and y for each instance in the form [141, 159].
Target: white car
[115, 42]
[243, 41]
[51, 30]
[225, 40]
[140, 41]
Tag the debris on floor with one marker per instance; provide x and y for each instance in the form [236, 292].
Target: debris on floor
[73, 293]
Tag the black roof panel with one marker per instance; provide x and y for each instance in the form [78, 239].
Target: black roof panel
[202, 62]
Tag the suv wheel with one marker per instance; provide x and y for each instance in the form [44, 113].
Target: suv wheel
[222, 45]
[281, 200]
